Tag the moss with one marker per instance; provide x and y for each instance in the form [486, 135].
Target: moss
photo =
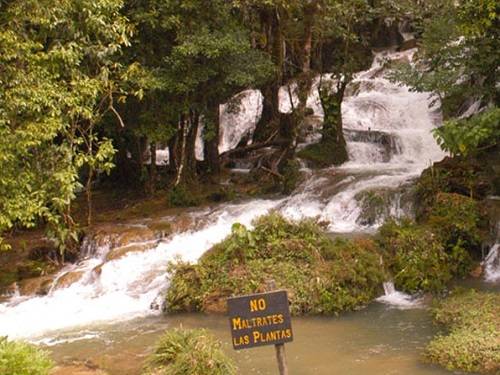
[415, 256]
[457, 220]
[18, 358]
[35, 268]
[324, 154]
[189, 352]
[472, 341]
[181, 196]
[321, 275]
[373, 206]
[291, 176]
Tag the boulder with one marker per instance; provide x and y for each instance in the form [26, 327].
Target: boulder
[36, 286]
[68, 279]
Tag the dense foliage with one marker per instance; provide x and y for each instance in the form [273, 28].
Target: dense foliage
[458, 61]
[91, 86]
[59, 77]
[321, 275]
[17, 358]
[189, 352]
[472, 341]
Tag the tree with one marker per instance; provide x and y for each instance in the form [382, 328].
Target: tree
[458, 61]
[200, 56]
[59, 77]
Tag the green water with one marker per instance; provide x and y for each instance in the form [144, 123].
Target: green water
[378, 340]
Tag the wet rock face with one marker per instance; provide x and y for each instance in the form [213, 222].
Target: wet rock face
[36, 286]
[68, 279]
[386, 143]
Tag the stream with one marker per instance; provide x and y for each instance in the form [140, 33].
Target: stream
[106, 316]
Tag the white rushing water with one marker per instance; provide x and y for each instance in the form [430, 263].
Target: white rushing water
[125, 287]
[388, 130]
[389, 140]
[398, 299]
[492, 264]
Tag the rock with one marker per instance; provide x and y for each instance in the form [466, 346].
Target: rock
[408, 44]
[215, 303]
[36, 286]
[120, 252]
[477, 272]
[68, 279]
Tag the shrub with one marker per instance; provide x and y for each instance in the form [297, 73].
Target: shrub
[189, 352]
[18, 358]
[321, 275]
[456, 219]
[415, 257]
[180, 196]
[472, 343]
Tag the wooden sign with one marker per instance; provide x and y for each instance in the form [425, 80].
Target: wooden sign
[260, 319]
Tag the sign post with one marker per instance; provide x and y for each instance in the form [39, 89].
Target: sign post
[259, 320]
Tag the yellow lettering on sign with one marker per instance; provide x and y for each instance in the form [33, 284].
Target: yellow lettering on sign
[236, 323]
[257, 304]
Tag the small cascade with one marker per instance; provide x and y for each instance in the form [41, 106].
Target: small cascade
[398, 299]
[492, 264]
[388, 133]
[121, 288]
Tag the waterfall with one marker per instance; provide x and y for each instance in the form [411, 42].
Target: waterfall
[124, 288]
[492, 264]
[398, 299]
[389, 140]
[388, 132]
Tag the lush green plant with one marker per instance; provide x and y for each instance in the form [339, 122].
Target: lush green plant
[321, 275]
[457, 220]
[463, 136]
[180, 196]
[18, 358]
[59, 77]
[472, 343]
[189, 352]
[415, 257]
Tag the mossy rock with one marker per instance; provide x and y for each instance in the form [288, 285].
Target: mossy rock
[472, 339]
[458, 220]
[322, 276]
[415, 256]
[324, 154]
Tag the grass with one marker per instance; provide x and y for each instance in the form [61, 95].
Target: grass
[472, 339]
[189, 352]
[18, 358]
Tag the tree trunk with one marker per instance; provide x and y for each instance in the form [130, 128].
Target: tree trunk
[333, 132]
[275, 46]
[309, 13]
[186, 171]
[211, 148]
[152, 168]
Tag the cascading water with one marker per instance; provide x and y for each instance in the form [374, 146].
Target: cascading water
[492, 264]
[124, 288]
[396, 298]
[389, 143]
[389, 140]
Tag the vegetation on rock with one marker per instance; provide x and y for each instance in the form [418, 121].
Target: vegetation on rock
[322, 276]
[189, 352]
[18, 358]
[415, 257]
[472, 341]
